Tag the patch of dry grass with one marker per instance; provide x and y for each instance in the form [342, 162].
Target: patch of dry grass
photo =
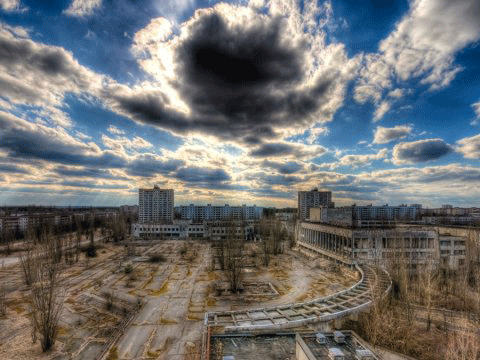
[160, 291]
[113, 353]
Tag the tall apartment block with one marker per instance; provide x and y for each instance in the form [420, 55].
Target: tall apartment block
[312, 199]
[155, 205]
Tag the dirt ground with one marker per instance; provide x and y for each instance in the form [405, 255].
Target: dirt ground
[176, 290]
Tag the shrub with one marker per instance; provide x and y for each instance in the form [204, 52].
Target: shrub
[157, 258]
[91, 251]
[128, 269]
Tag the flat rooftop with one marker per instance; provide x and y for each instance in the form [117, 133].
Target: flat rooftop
[278, 346]
[286, 346]
[320, 351]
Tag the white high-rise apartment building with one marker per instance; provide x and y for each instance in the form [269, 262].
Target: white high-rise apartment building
[312, 199]
[155, 205]
[227, 212]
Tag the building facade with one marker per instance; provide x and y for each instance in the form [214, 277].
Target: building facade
[213, 213]
[211, 230]
[312, 199]
[366, 216]
[155, 205]
[415, 245]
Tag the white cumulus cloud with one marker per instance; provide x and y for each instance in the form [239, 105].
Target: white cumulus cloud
[82, 8]
[385, 135]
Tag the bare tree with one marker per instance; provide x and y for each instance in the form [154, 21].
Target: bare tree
[263, 230]
[78, 241]
[46, 298]
[266, 250]
[463, 346]
[28, 261]
[7, 237]
[234, 257]
[91, 250]
[426, 287]
[3, 296]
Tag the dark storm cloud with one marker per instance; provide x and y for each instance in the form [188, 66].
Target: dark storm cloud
[202, 175]
[269, 192]
[280, 180]
[241, 82]
[29, 141]
[219, 57]
[24, 53]
[147, 165]
[420, 151]
[7, 168]
[32, 72]
[282, 149]
[268, 150]
[287, 168]
[35, 145]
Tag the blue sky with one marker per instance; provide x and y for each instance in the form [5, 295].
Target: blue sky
[240, 102]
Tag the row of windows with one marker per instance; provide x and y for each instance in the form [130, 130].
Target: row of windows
[158, 229]
[449, 243]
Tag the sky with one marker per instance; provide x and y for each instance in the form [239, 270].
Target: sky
[240, 102]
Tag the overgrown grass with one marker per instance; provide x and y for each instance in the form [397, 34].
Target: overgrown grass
[113, 353]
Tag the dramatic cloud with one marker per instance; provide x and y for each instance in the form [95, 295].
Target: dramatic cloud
[422, 46]
[82, 172]
[315, 133]
[12, 5]
[280, 180]
[361, 160]
[33, 73]
[148, 165]
[25, 140]
[470, 147]
[448, 174]
[385, 135]
[122, 143]
[285, 149]
[8, 168]
[115, 130]
[381, 110]
[202, 175]
[476, 108]
[420, 151]
[287, 168]
[83, 7]
[236, 74]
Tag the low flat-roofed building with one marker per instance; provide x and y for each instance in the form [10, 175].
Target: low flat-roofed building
[288, 346]
[351, 347]
[416, 244]
[180, 229]
[275, 346]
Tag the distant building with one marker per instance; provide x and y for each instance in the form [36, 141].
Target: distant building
[181, 229]
[412, 244]
[453, 250]
[155, 205]
[365, 216]
[312, 199]
[213, 213]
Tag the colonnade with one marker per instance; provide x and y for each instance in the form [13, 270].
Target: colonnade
[337, 244]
